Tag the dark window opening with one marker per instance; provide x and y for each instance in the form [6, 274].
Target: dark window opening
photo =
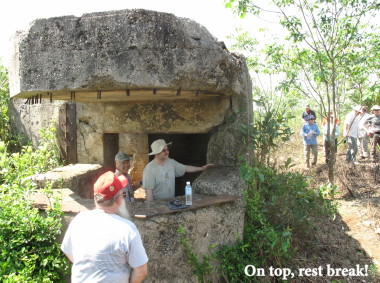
[188, 149]
[110, 149]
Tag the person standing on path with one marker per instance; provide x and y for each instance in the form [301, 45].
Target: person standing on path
[374, 130]
[308, 112]
[351, 131]
[309, 132]
[363, 138]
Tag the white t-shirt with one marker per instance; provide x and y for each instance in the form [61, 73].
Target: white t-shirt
[352, 121]
[161, 178]
[104, 247]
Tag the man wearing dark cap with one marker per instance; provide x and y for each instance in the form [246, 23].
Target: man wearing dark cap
[308, 112]
[159, 175]
[102, 244]
[123, 164]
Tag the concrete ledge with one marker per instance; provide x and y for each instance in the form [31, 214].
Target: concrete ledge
[70, 201]
[80, 178]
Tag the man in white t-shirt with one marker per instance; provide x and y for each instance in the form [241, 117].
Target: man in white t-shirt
[351, 132]
[363, 139]
[159, 175]
[102, 244]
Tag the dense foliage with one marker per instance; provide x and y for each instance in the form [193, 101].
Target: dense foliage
[29, 251]
[270, 124]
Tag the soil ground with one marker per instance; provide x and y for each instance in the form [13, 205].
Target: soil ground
[353, 237]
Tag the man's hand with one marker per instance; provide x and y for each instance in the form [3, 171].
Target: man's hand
[139, 273]
[192, 169]
[207, 166]
[148, 195]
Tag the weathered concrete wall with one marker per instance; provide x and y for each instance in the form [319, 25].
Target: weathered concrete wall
[119, 50]
[178, 116]
[220, 180]
[219, 224]
[28, 120]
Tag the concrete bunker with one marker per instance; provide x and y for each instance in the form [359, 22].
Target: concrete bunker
[117, 81]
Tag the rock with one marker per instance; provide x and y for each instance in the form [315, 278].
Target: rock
[368, 223]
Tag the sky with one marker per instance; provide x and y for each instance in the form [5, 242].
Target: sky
[18, 14]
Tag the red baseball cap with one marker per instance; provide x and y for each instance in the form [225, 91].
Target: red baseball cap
[108, 185]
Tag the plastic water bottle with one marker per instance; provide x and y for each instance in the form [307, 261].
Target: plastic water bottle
[189, 194]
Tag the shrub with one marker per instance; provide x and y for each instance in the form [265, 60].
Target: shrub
[277, 203]
[4, 100]
[29, 250]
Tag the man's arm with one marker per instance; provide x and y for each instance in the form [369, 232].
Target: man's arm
[192, 169]
[303, 131]
[139, 273]
[347, 129]
[136, 185]
[148, 195]
[367, 125]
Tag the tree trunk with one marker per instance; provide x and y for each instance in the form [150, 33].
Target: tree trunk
[332, 160]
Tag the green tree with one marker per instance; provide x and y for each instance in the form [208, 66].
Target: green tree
[322, 39]
[4, 100]
[364, 71]
[29, 251]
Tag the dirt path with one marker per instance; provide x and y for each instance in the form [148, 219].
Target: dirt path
[362, 217]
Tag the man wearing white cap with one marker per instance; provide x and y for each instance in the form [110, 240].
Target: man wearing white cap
[159, 175]
[374, 129]
[351, 132]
